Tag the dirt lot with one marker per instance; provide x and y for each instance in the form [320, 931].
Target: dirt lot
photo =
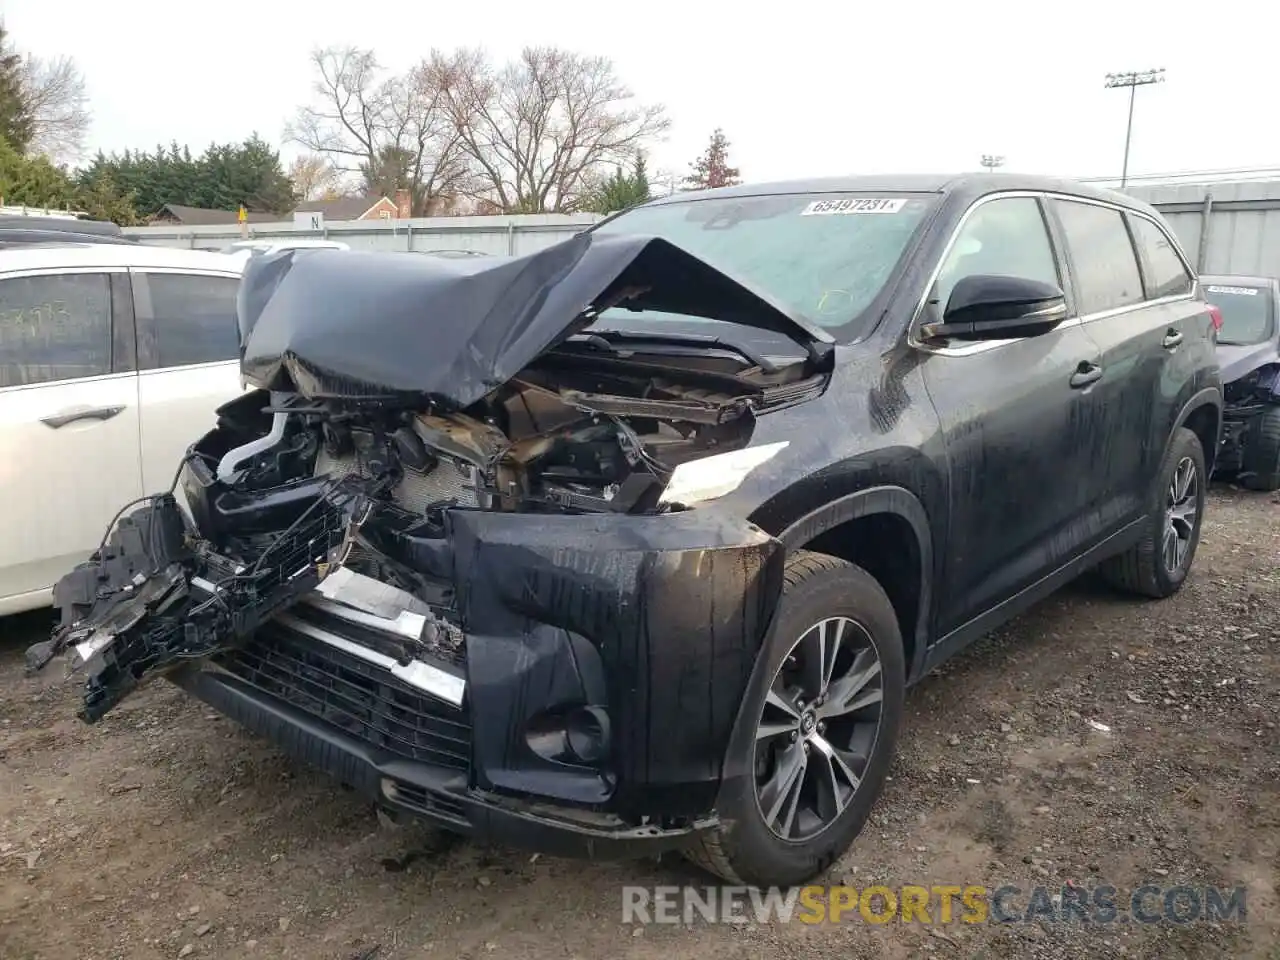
[167, 832]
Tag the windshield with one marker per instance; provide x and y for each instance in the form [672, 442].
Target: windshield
[1246, 312]
[823, 256]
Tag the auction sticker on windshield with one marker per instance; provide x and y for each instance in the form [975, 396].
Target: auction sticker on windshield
[852, 205]
[1238, 291]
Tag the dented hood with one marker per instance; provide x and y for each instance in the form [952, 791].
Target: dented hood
[331, 323]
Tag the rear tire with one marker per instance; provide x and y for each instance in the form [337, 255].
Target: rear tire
[1260, 459]
[1155, 566]
[783, 827]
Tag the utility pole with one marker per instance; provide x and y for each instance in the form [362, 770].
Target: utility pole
[990, 161]
[1133, 80]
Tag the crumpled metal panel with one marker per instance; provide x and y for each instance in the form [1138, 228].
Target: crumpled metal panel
[337, 323]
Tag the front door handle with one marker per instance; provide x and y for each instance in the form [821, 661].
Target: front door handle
[72, 414]
[1085, 374]
[1171, 339]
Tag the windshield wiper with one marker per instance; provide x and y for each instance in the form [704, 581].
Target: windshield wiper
[603, 339]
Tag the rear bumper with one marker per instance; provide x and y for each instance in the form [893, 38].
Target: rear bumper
[436, 795]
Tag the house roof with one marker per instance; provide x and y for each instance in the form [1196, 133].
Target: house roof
[342, 208]
[194, 216]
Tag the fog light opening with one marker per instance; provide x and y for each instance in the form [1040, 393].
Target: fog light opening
[587, 733]
[581, 736]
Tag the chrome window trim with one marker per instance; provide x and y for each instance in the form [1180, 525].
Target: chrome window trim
[203, 364]
[56, 271]
[96, 378]
[982, 346]
[190, 271]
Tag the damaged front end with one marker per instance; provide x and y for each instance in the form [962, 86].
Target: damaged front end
[480, 596]
[1247, 398]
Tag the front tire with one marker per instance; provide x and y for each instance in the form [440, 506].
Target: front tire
[1260, 459]
[825, 734]
[1157, 565]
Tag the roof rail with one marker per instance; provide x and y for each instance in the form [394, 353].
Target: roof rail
[96, 228]
[12, 237]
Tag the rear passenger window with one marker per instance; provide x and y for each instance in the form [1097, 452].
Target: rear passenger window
[194, 318]
[54, 327]
[1102, 257]
[1167, 275]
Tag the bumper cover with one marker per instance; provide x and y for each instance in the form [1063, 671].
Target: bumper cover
[659, 620]
[438, 797]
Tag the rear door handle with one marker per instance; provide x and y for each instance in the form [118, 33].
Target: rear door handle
[71, 415]
[1085, 374]
[1171, 339]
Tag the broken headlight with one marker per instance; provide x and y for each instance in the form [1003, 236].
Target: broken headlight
[707, 478]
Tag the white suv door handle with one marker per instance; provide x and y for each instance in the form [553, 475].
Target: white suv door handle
[72, 414]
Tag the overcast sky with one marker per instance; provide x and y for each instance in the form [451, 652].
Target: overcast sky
[800, 88]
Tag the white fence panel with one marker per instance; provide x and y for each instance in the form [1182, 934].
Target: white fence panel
[501, 235]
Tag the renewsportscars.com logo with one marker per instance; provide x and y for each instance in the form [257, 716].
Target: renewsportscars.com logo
[936, 904]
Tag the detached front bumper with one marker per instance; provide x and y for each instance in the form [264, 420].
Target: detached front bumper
[584, 700]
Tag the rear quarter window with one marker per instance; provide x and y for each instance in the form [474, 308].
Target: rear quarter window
[1166, 274]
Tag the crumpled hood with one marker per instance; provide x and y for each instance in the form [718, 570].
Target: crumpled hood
[332, 323]
[1237, 361]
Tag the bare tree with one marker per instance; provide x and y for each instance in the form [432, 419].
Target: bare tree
[315, 177]
[55, 93]
[537, 130]
[361, 116]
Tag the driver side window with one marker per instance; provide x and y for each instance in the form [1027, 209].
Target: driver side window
[1005, 237]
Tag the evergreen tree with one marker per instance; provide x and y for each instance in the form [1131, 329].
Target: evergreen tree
[35, 182]
[640, 180]
[712, 168]
[621, 190]
[15, 109]
[222, 178]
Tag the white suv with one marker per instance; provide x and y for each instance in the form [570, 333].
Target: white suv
[112, 357]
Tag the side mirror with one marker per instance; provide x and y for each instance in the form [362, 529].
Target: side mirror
[986, 307]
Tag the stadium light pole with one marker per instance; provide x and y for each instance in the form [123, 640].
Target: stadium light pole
[990, 161]
[1133, 80]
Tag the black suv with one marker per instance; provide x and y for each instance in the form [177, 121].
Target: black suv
[635, 543]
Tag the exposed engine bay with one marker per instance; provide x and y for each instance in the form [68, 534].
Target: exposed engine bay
[1260, 386]
[572, 433]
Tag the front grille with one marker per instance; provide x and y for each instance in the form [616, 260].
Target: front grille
[423, 801]
[358, 698]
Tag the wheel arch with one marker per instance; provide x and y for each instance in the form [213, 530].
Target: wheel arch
[858, 527]
[1202, 415]
[886, 510]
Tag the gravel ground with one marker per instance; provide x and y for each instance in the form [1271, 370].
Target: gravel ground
[166, 831]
